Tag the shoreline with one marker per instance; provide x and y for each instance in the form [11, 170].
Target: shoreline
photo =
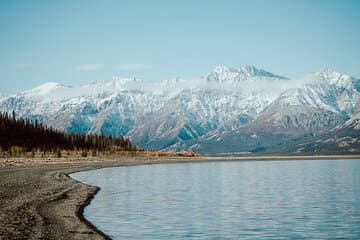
[80, 213]
[39, 199]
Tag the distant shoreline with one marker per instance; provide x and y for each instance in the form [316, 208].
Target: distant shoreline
[28, 161]
[38, 199]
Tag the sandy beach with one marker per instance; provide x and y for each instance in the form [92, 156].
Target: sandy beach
[38, 200]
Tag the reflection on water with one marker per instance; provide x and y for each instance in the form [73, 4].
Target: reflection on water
[228, 200]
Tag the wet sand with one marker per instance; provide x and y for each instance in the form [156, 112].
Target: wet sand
[38, 200]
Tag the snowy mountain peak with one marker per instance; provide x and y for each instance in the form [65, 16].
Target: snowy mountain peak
[222, 74]
[252, 71]
[45, 88]
[48, 86]
[335, 78]
[118, 82]
[114, 84]
[327, 73]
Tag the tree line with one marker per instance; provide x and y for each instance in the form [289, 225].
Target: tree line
[30, 135]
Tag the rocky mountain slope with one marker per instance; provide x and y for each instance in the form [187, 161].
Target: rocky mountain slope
[225, 111]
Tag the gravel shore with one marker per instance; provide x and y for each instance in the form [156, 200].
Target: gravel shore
[38, 200]
[43, 202]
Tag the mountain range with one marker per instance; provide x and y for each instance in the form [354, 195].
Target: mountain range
[243, 110]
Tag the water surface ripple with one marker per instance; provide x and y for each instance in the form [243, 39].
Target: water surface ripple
[308, 199]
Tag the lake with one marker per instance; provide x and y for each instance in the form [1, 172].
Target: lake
[297, 199]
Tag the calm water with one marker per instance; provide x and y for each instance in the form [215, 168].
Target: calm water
[312, 199]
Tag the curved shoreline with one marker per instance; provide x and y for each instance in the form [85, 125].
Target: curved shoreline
[80, 213]
[40, 200]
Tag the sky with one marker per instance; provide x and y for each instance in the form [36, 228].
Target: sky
[76, 42]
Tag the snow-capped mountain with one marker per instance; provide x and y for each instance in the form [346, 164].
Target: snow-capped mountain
[242, 74]
[320, 102]
[231, 108]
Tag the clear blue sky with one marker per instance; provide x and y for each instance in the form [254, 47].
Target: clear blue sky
[74, 42]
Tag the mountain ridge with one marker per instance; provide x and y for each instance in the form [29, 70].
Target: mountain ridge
[227, 107]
